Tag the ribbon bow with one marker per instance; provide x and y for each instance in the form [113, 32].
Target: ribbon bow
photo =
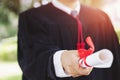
[83, 53]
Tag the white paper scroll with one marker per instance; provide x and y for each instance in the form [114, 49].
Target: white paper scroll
[99, 59]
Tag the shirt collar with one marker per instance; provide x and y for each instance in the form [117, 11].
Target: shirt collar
[64, 8]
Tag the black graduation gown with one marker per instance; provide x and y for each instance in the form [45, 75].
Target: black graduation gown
[43, 31]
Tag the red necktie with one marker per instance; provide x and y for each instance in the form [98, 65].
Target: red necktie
[80, 43]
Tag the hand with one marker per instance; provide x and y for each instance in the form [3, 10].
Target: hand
[70, 63]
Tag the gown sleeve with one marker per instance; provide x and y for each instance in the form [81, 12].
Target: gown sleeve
[35, 49]
[110, 40]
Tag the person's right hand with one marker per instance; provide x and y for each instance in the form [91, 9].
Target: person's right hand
[70, 63]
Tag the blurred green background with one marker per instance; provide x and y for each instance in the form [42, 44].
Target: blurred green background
[9, 11]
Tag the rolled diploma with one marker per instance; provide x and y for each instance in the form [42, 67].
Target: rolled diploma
[100, 59]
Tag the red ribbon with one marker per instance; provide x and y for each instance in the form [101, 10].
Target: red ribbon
[83, 53]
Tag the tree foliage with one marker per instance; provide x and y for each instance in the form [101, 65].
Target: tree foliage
[8, 14]
[12, 5]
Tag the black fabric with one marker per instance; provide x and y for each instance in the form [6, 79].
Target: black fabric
[43, 31]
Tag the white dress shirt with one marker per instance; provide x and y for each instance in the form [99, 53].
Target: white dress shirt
[57, 56]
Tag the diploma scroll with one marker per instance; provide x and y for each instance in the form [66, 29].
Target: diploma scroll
[99, 59]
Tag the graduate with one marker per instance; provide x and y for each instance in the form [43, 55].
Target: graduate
[49, 38]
